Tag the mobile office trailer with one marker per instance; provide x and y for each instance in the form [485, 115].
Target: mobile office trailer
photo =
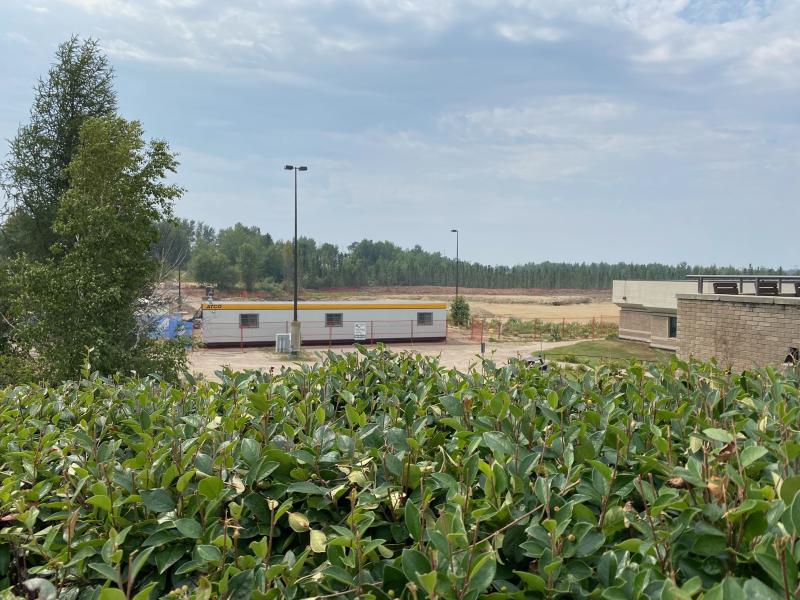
[257, 323]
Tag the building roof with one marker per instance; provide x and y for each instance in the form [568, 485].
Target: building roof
[324, 305]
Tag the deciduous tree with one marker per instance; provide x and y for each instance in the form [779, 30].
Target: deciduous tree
[93, 290]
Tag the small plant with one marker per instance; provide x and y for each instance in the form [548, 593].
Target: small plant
[459, 311]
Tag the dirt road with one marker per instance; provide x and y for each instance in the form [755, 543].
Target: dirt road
[458, 352]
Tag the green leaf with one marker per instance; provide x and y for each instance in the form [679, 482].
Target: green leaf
[260, 548]
[412, 520]
[428, 582]
[145, 592]
[189, 528]
[167, 557]
[552, 566]
[111, 594]
[306, 487]
[790, 487]
[755, 589]
[251, 451]
[211, 487]
[631, 545]
[532, 582]
[242, 585]
[590, 543]
[157, 500]
[138, 562]
[184, 480]
[106, 571]
[208, 553]
[794, 515]
[718, 435]
[101, 501]
[498, 443]
[482, 573]
[415, 563]
[751, 454]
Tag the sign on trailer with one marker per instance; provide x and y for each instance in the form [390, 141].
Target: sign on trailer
[359, 332]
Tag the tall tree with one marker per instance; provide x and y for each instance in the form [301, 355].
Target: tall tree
[90, 292]
[174, 246]
[78, 86]
[250, 264]
[210, 266]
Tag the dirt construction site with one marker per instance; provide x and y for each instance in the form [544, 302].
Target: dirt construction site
[462, 348]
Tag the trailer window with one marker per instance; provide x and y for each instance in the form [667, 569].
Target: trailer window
[425, 318]
[333, 320]
[248, 321]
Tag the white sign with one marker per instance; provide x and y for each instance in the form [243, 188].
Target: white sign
[359, 332]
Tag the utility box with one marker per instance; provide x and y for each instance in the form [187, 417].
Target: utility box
[283, 343]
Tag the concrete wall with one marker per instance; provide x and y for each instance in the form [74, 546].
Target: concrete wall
[739, 331]
[651, 294]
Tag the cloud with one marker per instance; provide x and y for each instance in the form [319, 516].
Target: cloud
[738, 37]
[15, 36]
[508, 110]
[517, 32]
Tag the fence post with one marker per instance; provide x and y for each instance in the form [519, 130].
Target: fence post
[241, 338]
[372, 331]
[563, 327]
[412, 332]
[593, 335]
[446, 330]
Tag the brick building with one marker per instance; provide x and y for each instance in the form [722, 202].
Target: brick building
[755, 323]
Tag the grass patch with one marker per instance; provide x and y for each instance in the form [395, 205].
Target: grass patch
[600, 351]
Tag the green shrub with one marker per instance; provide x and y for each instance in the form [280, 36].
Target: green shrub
[382, 475]
[459, 310]
[15, 370]
[553, 330]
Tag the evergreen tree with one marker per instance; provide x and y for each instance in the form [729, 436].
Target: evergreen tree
[34, 177]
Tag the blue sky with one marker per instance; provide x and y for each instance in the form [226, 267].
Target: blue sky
[576, 130]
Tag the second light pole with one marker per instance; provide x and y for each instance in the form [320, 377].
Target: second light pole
[456, 232]
[296, 339]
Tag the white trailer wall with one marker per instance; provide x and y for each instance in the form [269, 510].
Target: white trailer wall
[382, 321]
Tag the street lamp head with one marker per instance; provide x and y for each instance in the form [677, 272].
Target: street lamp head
[454, 231]
[289, 167]
[302, 168]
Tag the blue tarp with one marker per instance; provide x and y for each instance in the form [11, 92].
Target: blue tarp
[168, 327]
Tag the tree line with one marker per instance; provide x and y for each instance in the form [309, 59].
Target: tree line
[242, 256]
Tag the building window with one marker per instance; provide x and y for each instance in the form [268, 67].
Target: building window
[248, 321]
[425, 319]
[673, 327]
[333, 320]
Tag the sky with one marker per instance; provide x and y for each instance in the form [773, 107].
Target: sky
[564, 130]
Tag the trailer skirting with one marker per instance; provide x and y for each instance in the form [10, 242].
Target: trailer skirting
[337, 342]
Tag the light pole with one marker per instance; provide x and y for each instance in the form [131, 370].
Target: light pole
[296, 340]
[456, 232]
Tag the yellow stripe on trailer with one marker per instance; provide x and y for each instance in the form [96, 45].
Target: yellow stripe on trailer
[289, 306]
